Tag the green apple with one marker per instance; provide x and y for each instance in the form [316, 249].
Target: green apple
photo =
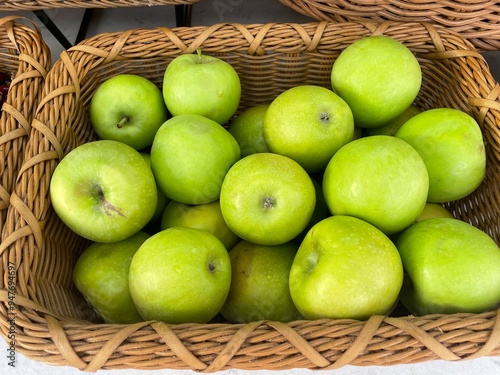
[246, 128]
[206, 216]
[101, 275]
[267, 199]
[345, 268]
[450, 267]
[379, 77]
[180, 275]
[432, 210]
[308, 124]
[104, 191]
[190, 156]
[451, 144]
[128, 108]
[162, 198]
[259, 283]
[380, 179]
[392, 127]
[201, 84]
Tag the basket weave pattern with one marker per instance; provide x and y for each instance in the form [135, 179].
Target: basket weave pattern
[25, 56]
[56, 326]
[477, 20]
[10, 5]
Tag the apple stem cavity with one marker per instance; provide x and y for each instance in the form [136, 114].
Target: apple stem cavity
[107, 207]
[124, 120]
[201, 59]
[211, 268]
[312, 261]
[324, 117]
[268, 203]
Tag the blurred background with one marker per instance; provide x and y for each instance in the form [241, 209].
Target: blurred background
[205, 12]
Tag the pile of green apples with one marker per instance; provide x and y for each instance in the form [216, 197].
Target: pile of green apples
[323, 203]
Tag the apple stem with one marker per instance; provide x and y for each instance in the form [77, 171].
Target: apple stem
[122, 122]
[200, 57]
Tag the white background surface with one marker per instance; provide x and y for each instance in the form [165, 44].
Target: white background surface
[205, 13]
[482, 366]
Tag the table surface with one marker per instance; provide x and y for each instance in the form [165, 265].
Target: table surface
[205, 13]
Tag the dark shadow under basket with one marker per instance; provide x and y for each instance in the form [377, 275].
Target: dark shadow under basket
[55, 325]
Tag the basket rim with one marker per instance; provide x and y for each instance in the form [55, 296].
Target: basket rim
[66, 336]
[476, 20]
[27, 46]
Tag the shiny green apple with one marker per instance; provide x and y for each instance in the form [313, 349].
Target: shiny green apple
[432, 210]
[267, 199]
[201, 84]
[451, 144]
[246, 128]
[206, 216]
[180, 275]
[379, 77]
[308, 124]
[345, 268]
[259, 283]
[128, 108]
[450, 266]
[380, 179]
[101, 275]
[104, 191]
[190, 157]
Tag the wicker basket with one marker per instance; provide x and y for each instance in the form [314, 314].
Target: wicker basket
[477, 20]
[53, 323]
[25, 56]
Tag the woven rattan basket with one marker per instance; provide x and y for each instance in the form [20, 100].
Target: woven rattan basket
[54, 325]
[477, 20]
[25, 56]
